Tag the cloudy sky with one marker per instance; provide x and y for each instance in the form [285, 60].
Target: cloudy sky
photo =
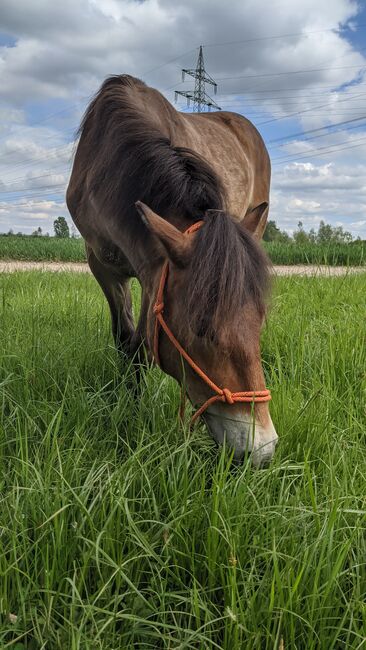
[296, 69]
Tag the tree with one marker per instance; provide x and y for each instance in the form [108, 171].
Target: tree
[273, 233]
[325, 233]
[61, 228]
[332, 234]
[312, 236]
[300, 236]
[37, 233]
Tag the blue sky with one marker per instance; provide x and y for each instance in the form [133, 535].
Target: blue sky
[302, 71]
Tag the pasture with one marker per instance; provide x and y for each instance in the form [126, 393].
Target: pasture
[13, 247]
[121, 529]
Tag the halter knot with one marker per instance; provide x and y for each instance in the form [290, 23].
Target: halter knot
[158, 308]
[228, 396]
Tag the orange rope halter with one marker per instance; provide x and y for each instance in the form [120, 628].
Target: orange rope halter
[222, 394]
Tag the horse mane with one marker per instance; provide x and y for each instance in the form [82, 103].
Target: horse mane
[228, 269]
[132, 159]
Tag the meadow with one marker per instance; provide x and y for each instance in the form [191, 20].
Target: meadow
[39, 249]
[72, 250]
[121, 529]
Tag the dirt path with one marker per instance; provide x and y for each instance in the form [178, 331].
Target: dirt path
[313, 269]
[14, 265]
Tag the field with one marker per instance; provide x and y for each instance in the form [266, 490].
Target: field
[121, 530]
[72, 250]
[353, 254]
[42, 249]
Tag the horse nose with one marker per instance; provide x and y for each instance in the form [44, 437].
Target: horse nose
[243, 435]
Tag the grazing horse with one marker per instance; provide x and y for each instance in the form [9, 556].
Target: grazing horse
[179, 201]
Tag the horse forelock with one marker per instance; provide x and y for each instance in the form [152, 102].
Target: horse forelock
[228, 270]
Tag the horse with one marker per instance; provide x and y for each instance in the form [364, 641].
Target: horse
[180, 201]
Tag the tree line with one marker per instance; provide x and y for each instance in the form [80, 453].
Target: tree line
[60, 227]
[326, 234]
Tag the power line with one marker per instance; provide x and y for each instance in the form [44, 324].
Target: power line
[37, 161]
[86, 97]
[316, 155]
[47, 117]
[267, 38]
[47, 155]
[50, 190]
[66, 169]
[180, 56]
[224, 43]
[321, 128]
[306, 110]
[272, 98]
[16, 151]
[323, 135]
[289, 158]
[16, 204]
[327, 149]
[306, 153]
[51, 153]
[332, 88]
[290, 72]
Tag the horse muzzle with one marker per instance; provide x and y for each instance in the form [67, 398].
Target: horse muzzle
[243, 435]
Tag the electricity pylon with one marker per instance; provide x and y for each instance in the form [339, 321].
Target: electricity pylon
[198, 95]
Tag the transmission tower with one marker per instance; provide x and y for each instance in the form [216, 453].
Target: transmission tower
[198, 95]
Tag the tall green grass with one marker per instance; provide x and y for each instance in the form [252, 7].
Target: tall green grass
[72, 250]
[331, 254]
[39, 249]
[119, 529]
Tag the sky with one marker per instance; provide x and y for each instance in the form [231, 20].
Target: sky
[297, 70]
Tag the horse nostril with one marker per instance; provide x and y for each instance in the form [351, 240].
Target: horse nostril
[240, 459]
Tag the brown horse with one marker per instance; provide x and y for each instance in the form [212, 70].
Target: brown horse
[213, 167]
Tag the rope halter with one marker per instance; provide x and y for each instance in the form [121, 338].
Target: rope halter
[221, 394]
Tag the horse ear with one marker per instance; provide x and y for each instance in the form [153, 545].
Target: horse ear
[255, 220]
[174, 242]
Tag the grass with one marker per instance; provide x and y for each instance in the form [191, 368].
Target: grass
[353, 254]
[120, 530]
[72, 250]
[42, 249]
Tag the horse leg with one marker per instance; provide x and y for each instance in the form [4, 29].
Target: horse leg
[117, 291]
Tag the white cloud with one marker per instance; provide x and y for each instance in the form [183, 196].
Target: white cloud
[63, 52]
[310, 193]
[27, 217]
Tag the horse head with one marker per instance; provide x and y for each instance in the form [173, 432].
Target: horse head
[207, 307]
